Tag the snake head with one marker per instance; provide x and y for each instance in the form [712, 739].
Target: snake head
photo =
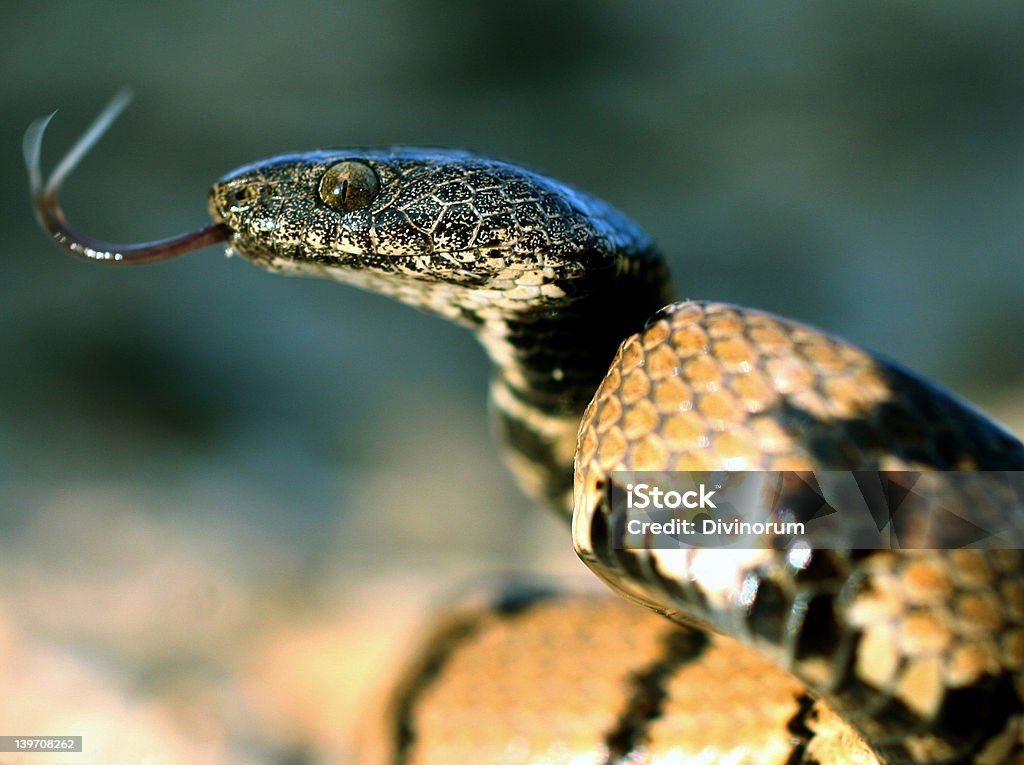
[435, 228]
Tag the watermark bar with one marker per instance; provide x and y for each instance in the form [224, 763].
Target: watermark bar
[838, 510]
[40, 743]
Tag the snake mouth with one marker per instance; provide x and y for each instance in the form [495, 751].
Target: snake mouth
[51, 217]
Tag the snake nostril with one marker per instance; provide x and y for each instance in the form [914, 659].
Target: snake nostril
[240, 198]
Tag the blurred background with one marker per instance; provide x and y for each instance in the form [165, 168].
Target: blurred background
[227, 498]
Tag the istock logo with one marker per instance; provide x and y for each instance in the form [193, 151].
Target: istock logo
[642, 496]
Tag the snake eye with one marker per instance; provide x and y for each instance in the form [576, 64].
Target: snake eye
[349, 185]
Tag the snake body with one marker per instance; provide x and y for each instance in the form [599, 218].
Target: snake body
[919, 652]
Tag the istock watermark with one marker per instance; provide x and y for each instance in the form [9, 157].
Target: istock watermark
[643, 495]
[820, 509]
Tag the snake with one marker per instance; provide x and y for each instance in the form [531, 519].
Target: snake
[769, 655]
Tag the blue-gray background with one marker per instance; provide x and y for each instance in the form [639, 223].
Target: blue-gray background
[856, 166]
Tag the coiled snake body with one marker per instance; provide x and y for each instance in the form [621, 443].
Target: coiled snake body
[920, 652]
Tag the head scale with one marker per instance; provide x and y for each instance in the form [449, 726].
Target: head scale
[400, 220]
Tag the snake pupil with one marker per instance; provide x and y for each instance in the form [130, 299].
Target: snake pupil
[349, 185]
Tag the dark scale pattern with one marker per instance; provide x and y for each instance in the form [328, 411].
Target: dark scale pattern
[581, 679]
[709, 386]
[429, 201]
[712, 386]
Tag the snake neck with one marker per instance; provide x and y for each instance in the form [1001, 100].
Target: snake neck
[550, 361]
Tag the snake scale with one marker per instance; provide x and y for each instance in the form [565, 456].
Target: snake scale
[899, 656]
